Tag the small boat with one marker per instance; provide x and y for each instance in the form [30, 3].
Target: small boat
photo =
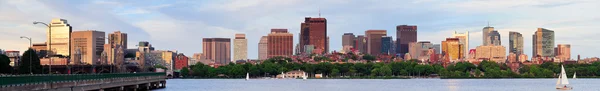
[562, 82]
[304, 76]
[247, 76]
[575, 75]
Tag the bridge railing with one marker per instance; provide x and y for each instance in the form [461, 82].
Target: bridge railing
[19, 80]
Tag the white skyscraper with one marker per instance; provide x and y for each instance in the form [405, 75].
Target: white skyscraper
[240, 47]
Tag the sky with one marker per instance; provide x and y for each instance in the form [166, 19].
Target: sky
[180, 25]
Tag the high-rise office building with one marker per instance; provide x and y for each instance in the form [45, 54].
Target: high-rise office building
[313, 31]
[145, 46]
[87, 46]
[494, 38]
[280, 43]
[563, 52]
[386, 45]
[543, 43]
[515, 43]
[437, 48]
[263, 48]
[361, 44]
[348, 40]
[463, 39]
[60, 37]
[217, 50]
[240, 47]
[115, 49]
[452, 48]
[405, 34]
[486, 31]
[374, 41]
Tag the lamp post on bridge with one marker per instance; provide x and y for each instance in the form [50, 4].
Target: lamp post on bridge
[30, 57]
[49, 43]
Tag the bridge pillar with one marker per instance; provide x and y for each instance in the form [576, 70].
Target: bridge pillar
[122, 88]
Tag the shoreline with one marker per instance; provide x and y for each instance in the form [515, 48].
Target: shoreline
[410, 78]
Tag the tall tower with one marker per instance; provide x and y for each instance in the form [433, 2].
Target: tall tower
[374, 41]
[543, 43]
[486, 31]
[405, 34]
[90, 43]
[313, 31]
[263, 47]
[494, 38]
[115, 49]
[515, 43]
[463, 39]
[240, 47]
[280, 43]
[217, 49]
[61, 36]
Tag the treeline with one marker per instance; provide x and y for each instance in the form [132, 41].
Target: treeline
[29, 64]
[486, 69]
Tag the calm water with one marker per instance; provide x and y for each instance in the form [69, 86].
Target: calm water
[376, 85]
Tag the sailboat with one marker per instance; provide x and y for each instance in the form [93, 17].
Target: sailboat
[304, 76]
[575, 75]
[562, 81]
[247, 76]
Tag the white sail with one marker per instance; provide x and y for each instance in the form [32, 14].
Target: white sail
[282, 75]
[563, 76]
[575, 75]
[558, 81]
[247, 76]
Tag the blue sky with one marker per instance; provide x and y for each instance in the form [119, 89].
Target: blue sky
[181, 24]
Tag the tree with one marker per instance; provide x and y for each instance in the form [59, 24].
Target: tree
[386, 71]
[5, 64]
[24, 66]
[335, 73]
[185, 71]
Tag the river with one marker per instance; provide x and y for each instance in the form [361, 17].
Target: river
[581, 84]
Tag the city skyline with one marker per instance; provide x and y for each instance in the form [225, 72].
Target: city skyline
[124, 17]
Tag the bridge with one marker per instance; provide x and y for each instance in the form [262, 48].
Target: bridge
[83, 82]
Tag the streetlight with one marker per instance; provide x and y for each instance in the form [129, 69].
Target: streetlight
[49, 43]
[30, 55]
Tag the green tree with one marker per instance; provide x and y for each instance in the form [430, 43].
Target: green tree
[185, 72]
[386, 71]
[24, 66]
[5, 64]
[335, 72]
[368, 57]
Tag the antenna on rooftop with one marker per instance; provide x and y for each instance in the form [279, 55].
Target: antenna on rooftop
[319, 12]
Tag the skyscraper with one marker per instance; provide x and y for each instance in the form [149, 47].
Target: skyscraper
[492, 52]
[280, 43]
[361, 44]
[563, 52]
[115, 49]
[463, 39]
[543, 43]
[61, 36]
[405, 34]
[263, 47]
[452, 48]
[313, 31]
[494, 38]
[374, 41]
[240, 47]
[485, 33]
[348, 40]
[515, 43]
[88, 46]
[386, 45]
[217, 49]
